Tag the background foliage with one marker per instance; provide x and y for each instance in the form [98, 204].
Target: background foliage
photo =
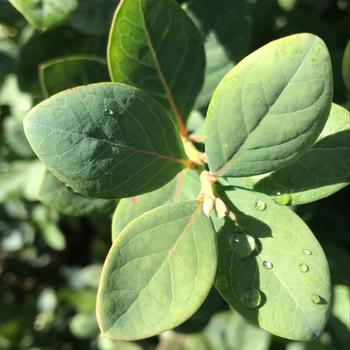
[49, 261]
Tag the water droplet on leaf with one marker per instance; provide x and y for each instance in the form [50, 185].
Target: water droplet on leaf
[316, 299]
[251, 298]
[260, 205]
[283, 199]
[267, 264]
[303, 267]
[242, 245]
[307, 251]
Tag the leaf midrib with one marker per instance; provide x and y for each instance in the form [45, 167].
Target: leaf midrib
[169, 94]
[167, 258]
[248, 137]
[114, 144]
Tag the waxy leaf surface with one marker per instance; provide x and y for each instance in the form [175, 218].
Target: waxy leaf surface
[45, 14]
[158, 272]
[68, 72]
[274, 272]
[270, 107]
[106, 140]
[55, 194]
[138, 54]
[223, 47]
[184, 187]
[321, 171]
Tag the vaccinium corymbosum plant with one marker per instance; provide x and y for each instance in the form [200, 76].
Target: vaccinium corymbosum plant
[190, 220]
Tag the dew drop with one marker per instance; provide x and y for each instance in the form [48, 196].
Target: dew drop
[251, 298]
[242, 245]
[303, 267]
[267, 264]
[260, 205]
[316, 299]
[283, 199]
[307, 251]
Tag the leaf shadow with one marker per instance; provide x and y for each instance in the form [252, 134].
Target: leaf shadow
[326, 163]
[238, 265]
[228, 14]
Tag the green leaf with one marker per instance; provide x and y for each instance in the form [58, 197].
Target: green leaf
[274, 272]
[15, 138]
[49, 229]
[84, 326]
[223, 330]
[93, 17]
[323, 170]
[13, 179]
[45, 14]
[346, 66]
[63, 73]
[138, 55]
[270, 107]
[106, 140]
[55, 194]
[223, 47]
[341, 305]
[185, 186]
[157, 273]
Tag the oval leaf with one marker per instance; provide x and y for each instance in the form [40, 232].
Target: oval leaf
[223, 47]
[346, 66]
[323, 170]
[270, 107]
[64, 73]
[278, 276]
[185, 186]
[55, 194]
[157, 273]
[45, 14]
[137, 55]
[106, 140]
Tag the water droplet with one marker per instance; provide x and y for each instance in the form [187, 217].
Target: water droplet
[283, 199]
[260, 205]
[267, 264]
[303, 267]
[242, 245]
[251, 298]
[307, 251]
[316, 299]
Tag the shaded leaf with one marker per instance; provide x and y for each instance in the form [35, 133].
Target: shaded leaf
[137, 55]
[227, 38]
[275, 272]
[55, 194]
[321, 171]
[157, 273]
[270, 107]
[104, 140]
[346, 66]
[230, 331]
[63, 73]
[15, 138]
[93, 16]
[185, 186]
[45, 14]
